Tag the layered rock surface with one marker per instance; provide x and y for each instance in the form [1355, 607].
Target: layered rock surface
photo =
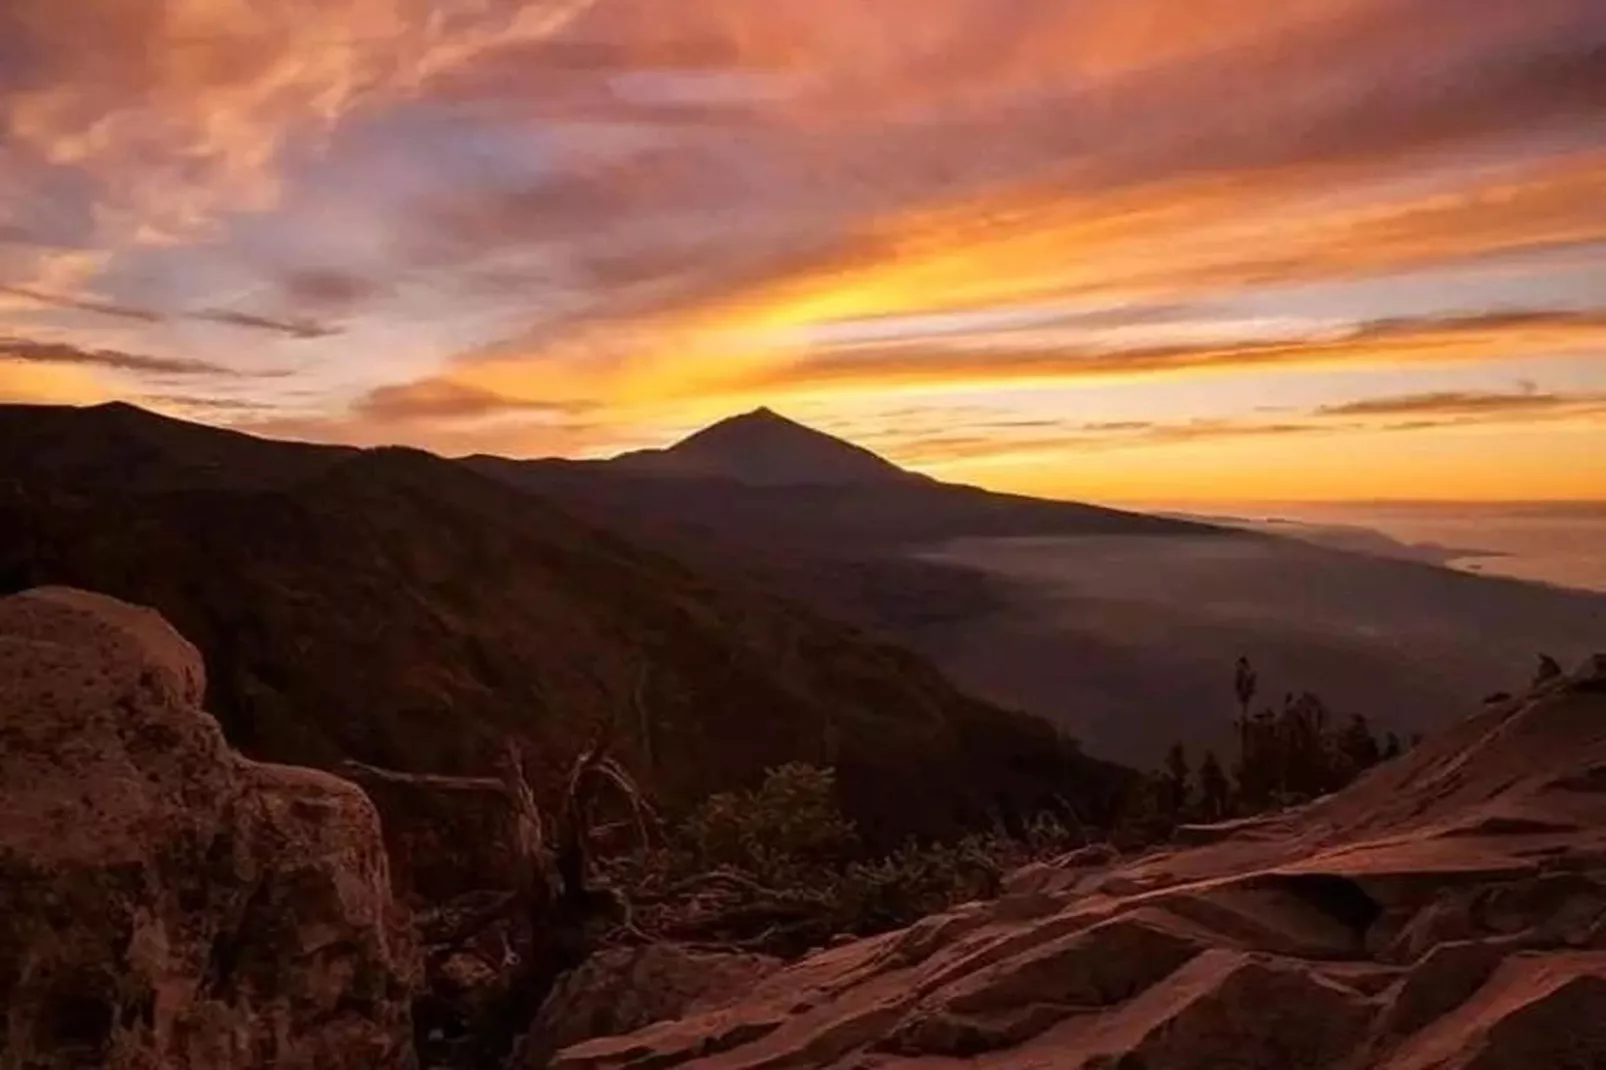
[165, 902]
[1447, 911]
[626, 988]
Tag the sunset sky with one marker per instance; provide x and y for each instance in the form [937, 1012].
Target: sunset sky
[1112, 249]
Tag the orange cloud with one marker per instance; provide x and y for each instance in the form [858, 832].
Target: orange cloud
[968, 442]
[765, 327]
[1462, 406]
[185, 107]
[782, 200]
[506, 403]
[442, 399]
[928, 365]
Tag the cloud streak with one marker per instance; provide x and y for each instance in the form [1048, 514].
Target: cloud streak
[1387, 414]
[84, 304]
[445, 400]
[981, 362]
[1447, 408]
[34, 351]
[303, 329]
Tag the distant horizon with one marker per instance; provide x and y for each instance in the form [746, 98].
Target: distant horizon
[1139, 503]
[1471, 503]
[1562, 543]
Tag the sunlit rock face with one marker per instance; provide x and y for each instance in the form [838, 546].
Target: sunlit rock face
[1447, 910]
[620, 990]
[163, 901]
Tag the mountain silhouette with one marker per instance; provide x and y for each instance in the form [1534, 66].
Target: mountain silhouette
[1116, 625]
[762, 479]
[398, 608]
[764, 448]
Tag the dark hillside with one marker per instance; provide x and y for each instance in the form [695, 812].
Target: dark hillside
[400, 609]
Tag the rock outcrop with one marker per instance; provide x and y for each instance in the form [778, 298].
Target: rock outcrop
[1446, 911]
[623, 989]
[165, 903]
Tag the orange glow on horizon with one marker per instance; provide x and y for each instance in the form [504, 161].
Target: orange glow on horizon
[1559, 465]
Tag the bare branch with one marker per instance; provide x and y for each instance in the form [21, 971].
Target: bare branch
[361, 771]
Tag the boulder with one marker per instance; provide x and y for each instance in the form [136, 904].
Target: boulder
[165, 903]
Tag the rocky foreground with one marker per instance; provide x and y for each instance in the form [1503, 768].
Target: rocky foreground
[165, 903]
[1449, 910]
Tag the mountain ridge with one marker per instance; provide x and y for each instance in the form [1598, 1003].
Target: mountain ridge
[817, 489]
[1120, 627]
[400, 609]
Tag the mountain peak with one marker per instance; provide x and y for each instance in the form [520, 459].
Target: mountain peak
[764, 448]
[760, 421]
